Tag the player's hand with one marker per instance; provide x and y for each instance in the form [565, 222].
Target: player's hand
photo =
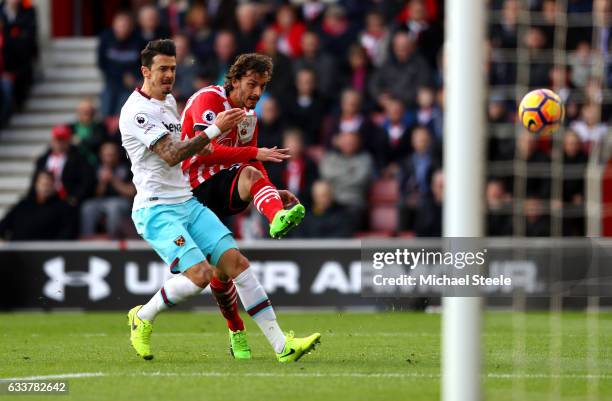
[272, 154]
[206, 150]
[288, 199]
[228, 119]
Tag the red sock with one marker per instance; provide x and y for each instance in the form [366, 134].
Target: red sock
[266, 198]
[226, 296]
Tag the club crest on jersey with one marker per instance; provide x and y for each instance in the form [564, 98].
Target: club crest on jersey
[141, 119]
[246, 128]
[209, 116]
[180, 240]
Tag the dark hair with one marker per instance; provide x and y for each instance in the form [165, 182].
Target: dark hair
[124, 13]
[255, 62]
[32, 190]
[155, 47]
[378, 13]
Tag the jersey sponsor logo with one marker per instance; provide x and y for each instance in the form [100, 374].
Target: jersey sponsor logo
[246, 128]
[209, 116]
[141, 119]
[172, 127]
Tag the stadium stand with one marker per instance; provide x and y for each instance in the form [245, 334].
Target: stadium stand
[369, 70]
[69, 76]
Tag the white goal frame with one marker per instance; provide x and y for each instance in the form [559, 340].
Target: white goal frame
[464, 155]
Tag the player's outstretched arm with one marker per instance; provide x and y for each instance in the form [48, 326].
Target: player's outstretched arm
[173, 152]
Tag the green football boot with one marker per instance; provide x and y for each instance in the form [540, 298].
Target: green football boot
[295, 348]
[239, 347]
[140, 333]
[285, 220]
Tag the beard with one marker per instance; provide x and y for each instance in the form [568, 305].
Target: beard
[251, 100]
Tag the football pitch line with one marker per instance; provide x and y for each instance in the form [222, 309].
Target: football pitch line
[210, 334]
[371, 334]
[413, 375]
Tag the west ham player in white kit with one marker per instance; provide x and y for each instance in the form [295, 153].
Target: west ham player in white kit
[182, 231]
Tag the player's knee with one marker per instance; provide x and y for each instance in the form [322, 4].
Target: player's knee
[221, 276]
[239, 264]
[232, 263]
[200, 274]
[251, 174]
[205, 275]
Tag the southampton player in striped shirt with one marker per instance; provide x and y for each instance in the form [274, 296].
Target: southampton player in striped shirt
[232, 175]
[183, 232]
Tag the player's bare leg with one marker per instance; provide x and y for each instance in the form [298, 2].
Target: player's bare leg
[174, 291]
[258, 306]
[253, 186]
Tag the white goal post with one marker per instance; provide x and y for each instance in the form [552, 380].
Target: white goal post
[464, 155]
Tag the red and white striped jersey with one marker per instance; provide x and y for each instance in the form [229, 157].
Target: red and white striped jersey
[236, 146]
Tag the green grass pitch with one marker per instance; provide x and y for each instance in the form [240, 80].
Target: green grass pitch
[363, 356]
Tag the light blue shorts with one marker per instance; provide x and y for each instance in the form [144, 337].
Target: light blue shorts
[184, 234]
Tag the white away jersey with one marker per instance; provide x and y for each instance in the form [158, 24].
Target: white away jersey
[143, 121]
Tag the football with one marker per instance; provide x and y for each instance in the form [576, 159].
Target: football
[541, 111]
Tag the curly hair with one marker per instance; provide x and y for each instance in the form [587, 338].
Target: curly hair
[245, 63]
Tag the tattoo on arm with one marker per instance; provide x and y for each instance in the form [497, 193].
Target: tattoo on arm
[173, 152]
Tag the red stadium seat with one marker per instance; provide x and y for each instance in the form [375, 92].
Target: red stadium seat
[384, 192]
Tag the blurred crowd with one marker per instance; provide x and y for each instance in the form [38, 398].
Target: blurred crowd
[357, 96]
[18, 53]
[575, 62]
